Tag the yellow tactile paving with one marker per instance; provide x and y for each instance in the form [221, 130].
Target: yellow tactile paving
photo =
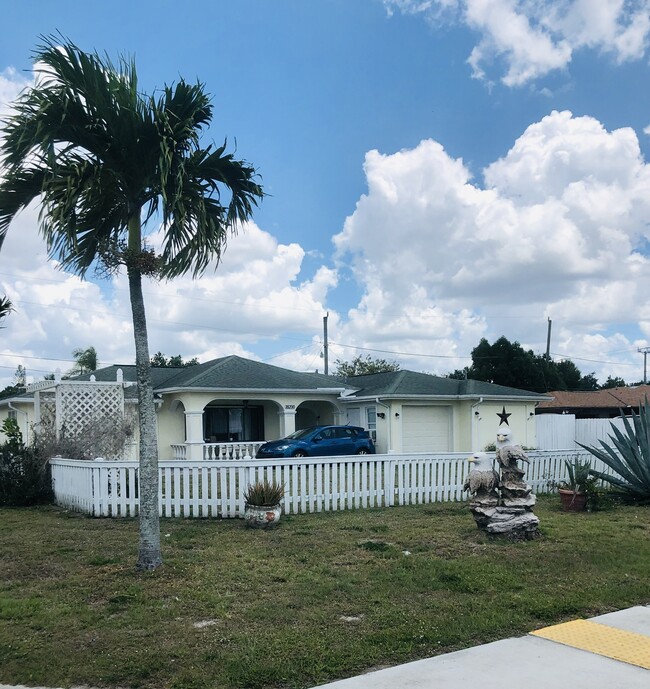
[601, 639]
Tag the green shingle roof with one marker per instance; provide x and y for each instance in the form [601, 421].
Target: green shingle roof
[237, 373]
[407, 383]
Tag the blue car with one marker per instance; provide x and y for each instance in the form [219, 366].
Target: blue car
[320, 441]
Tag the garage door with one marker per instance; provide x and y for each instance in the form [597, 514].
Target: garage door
[426, 429]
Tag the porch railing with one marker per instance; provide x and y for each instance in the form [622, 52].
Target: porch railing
[215, 488]
[221, 451]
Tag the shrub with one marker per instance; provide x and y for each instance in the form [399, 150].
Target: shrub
[25, 477]
[91, 438]
[628, 455]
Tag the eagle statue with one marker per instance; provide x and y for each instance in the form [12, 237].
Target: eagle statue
[508, 454]
[482, 481]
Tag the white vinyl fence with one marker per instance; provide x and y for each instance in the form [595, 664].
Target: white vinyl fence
[312, 484]
[564, 431]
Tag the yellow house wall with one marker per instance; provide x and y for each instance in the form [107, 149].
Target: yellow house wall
[521, 421]
[468, 432]
[24, 418]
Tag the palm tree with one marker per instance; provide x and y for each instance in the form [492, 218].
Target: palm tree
[103, 159]
[5, 307]
[85, 361]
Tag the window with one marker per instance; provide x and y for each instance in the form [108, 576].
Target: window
[371, 422]
[346, 432]
[13, 414]
[233, 424]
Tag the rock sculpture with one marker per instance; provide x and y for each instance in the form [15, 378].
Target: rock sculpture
[502, 503]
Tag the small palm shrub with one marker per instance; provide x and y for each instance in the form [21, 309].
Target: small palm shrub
[264, 493]
[628, 455]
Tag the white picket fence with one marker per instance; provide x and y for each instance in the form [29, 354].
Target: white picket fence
[564, 431]
[312, 484]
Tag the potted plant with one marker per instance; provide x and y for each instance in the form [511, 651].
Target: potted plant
[574, 491]
[262, 508]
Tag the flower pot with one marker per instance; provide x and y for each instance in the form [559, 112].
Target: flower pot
[264, 517]
[572, 501]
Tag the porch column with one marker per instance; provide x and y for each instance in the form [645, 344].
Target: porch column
[194, 434]
[287, 422]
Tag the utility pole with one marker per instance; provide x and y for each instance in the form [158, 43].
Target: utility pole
[325, 363]
[548, 340]
[644, 351]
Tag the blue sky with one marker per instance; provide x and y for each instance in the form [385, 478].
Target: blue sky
[438, 171]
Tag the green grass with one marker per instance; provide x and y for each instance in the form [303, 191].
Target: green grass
[320, 598]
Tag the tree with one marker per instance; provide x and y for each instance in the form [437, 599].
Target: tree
[570, 374]
[5, 307]
[103, 159]
[615, 382]
[19, 384]
[589, 382]
[360, 366]
[159, 359]
[86, 361]
[508, 363]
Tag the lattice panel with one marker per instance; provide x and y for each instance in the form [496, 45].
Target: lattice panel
[87, 404]
[47, 403]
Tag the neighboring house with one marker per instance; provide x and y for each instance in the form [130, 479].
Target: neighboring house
[597, 404]
[21, 409]
[235, 400]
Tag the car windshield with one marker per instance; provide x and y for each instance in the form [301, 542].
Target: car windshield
[297, 435]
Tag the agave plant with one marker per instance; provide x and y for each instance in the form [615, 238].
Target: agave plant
[264, 493]
[628, 455]
[578, 473]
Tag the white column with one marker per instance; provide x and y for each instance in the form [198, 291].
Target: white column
[194, 434]
[287, 422]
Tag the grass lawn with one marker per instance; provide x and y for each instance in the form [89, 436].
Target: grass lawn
[322, 597]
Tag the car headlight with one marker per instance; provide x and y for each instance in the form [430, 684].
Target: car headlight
[283, 447]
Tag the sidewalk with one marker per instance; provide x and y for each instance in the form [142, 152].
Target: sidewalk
[529, 661]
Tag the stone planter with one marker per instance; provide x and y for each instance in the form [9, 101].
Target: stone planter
[262, 517]
[572, 501]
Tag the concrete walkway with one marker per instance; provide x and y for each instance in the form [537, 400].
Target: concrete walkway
[529, 662]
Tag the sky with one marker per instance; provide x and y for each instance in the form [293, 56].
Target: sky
[436, 171]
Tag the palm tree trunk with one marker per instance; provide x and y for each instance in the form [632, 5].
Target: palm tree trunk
[149, 556]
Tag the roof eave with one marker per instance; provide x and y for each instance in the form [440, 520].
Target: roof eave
[499, 398]
[261, 391]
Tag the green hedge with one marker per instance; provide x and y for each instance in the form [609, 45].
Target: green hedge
[25, 477]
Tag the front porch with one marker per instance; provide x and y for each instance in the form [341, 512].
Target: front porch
[200, 427]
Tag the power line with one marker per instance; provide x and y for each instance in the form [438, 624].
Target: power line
[387, 351]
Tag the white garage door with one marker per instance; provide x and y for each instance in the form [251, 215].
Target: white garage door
[426, 429]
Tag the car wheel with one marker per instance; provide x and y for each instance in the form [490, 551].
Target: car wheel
[363, 451]
[299, 453]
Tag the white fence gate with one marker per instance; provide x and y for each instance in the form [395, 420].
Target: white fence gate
[312, 484]
[564, 431]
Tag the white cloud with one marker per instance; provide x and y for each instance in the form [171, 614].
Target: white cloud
[535, 37]
[554, 231]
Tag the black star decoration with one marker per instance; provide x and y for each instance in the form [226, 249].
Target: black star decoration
[503, 416]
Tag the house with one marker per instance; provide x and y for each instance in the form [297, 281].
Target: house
[236, 400]
[596, 404]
